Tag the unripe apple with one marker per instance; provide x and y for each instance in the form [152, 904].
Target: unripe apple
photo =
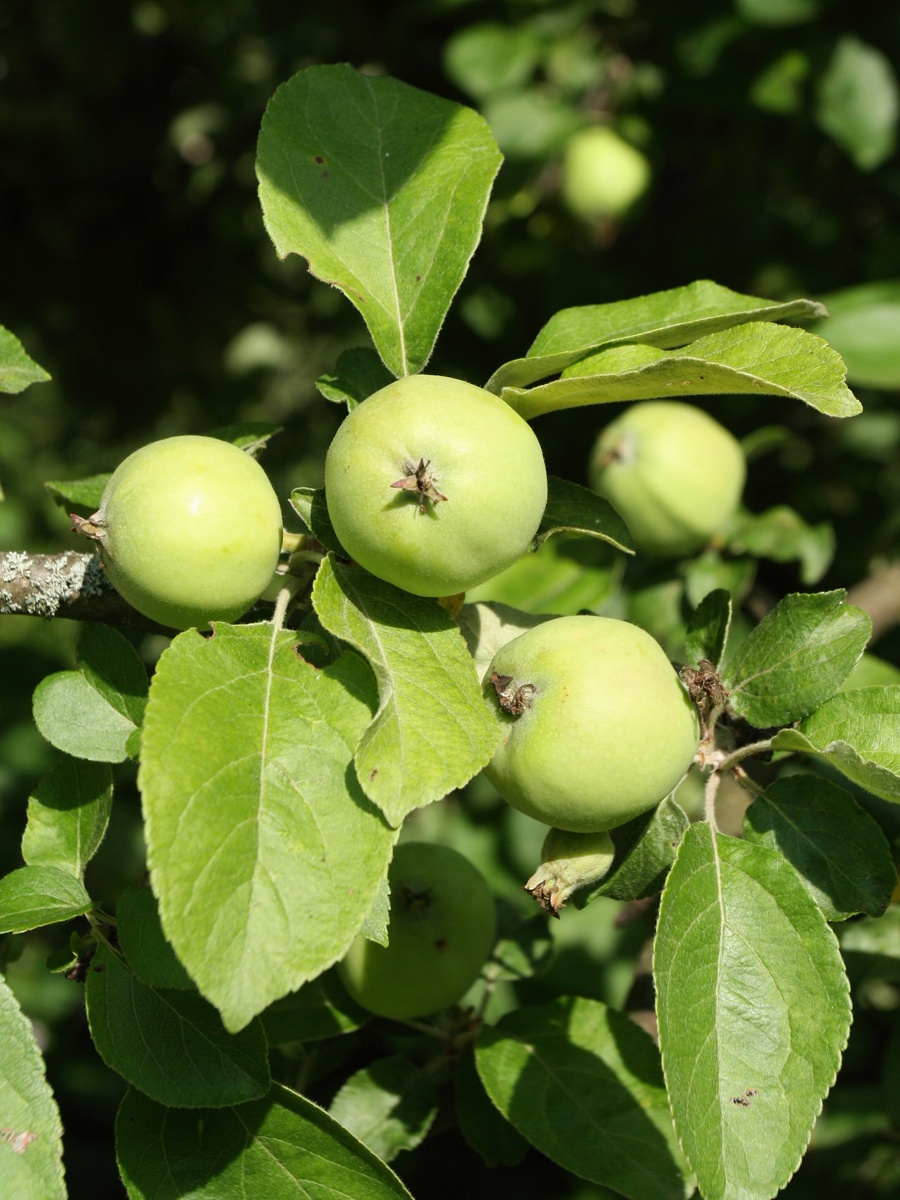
[441, 930]
[603, 175]
[672, 471]
[597, 726]
[435, 485]
[189, 530]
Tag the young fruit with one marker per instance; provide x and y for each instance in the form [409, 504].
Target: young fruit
[441, 930]
[598, 727]
[189, 530]
[675, 474]
[603, 175]
[435, 485]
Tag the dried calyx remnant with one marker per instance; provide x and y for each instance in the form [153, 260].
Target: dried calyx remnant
[421, 480]
[513, 698]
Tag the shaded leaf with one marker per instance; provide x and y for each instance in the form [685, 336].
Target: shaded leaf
[248, 842]
[382, 188]
[67, 815]
[796, 657]
[320, 1009]
[358, 374]
[857, 733]
[662, 319]
[524, 945]
[281, 1146]
[17, 370]
[488, 626]
[599, 1076]
[837, 849]
[481, 1123]
[753, 1011]
[144, 944]
[863, 325]
[575, 509]
[754, 359]
[34, 896]
[31, 1132]
[645, 850]
[171, 1044]
[432, 731]
[707, 629]
[389, 1105]
[310, 506]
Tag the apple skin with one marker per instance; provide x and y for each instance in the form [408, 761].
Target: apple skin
[609, 730]
[189, 530]
[603, 175]
[672, 471]
[442, 928]
[483, 457]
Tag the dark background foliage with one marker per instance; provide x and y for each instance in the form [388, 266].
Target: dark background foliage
[136, 270]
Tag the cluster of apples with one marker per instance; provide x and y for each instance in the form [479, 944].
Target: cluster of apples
[435, 486]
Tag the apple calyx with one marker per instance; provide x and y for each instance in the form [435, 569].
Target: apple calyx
[569, 861]
[421, 480]
[513, 698]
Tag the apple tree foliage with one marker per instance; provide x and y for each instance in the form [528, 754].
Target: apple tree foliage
[279, 759]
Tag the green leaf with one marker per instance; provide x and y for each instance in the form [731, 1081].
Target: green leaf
[310, 506]
[383, 189]
[871, 671]
[31, 1133]
[838, 850]
[94, 712]
[564, 576]
[432, 731]
[67, 815]
[662, 319]
[645, 850]
[358, 374]
[255, 824]
[583, 1084]
[144, 944]
[78, 493]
[859, 102]
[753, 1010]
[17, 370]
[782, 535]
[484, 1127]
[320, 1009]
[389, 1105]
[756, 359]
[34, 896]
[282, 1146]
[707, 630]
[857, 733]
[796, 657]
[778, 12]
[575, 509]
[171, 1044]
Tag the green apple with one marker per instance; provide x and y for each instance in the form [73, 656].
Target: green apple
[597, 726]
[603, 175]
[435, 485]
[672, 471]
[441, 930]
[189, 531]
